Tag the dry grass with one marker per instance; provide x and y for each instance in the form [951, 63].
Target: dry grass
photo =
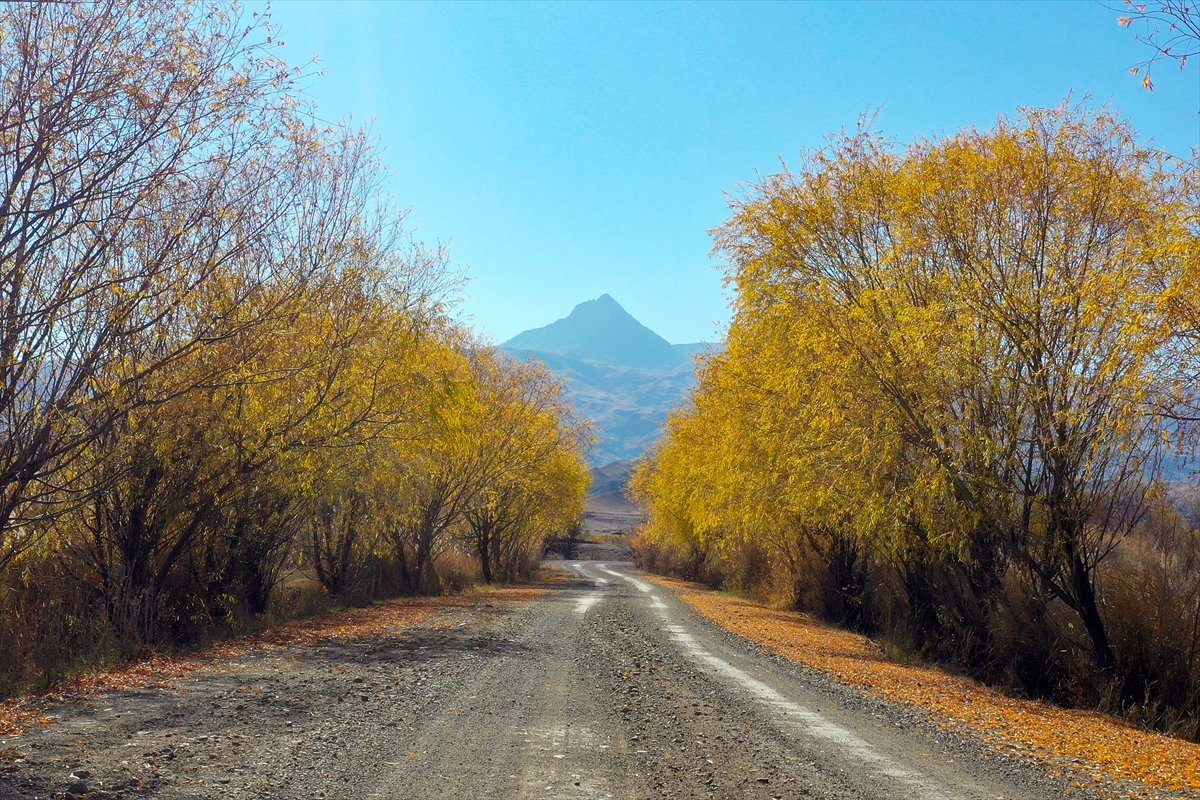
[160, 670]
[1101, 747]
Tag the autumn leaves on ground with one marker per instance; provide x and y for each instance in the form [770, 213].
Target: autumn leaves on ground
[1095, 749]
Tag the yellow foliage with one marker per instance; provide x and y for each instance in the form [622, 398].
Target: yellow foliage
[942, 351]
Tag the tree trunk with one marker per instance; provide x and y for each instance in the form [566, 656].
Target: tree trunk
[1089, 612]
[485, 555]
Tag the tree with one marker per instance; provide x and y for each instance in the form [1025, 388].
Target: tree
[537, 478]
[242, 375]
[357, 489]
[223, 360]
[1171, 28]
[135, 163]
[942, 359]
[501, 458]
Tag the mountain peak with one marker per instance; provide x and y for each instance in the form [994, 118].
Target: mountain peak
[603, 307]
[600, 330]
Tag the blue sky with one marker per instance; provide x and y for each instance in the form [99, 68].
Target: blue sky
[565, 150]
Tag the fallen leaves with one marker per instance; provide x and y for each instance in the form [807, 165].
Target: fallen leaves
[18, 715]
[1098, 745]
[160, 670]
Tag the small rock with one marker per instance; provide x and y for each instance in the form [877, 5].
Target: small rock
[78, 787]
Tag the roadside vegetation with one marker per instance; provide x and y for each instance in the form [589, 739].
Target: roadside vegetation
[230, 387]
[956, 407]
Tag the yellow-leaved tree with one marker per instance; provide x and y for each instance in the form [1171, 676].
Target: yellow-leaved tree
[940, 379]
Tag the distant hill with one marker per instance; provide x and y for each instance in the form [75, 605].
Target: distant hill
[609, 509]
[602, 331]
[619, 373]
[613, 476]
[628, 404]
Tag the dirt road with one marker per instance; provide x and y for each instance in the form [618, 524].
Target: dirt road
[606, 688]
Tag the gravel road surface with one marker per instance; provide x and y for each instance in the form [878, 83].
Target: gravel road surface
[606, 688]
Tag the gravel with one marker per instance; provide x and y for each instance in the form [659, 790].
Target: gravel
[554, 698]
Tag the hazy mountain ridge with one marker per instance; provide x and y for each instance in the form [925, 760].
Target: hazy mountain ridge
[609, 507]
[612, 476]
[618, 372]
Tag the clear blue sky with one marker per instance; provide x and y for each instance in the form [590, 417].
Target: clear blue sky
[565, 150]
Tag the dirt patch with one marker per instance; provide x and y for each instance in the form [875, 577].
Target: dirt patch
[477, 699]
[160, 670]
[1085, 742]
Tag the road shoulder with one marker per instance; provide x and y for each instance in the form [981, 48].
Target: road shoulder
[1091, 751]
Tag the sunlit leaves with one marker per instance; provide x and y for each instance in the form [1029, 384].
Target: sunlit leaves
[224, 359]
[1170, 28]
[944, 351]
